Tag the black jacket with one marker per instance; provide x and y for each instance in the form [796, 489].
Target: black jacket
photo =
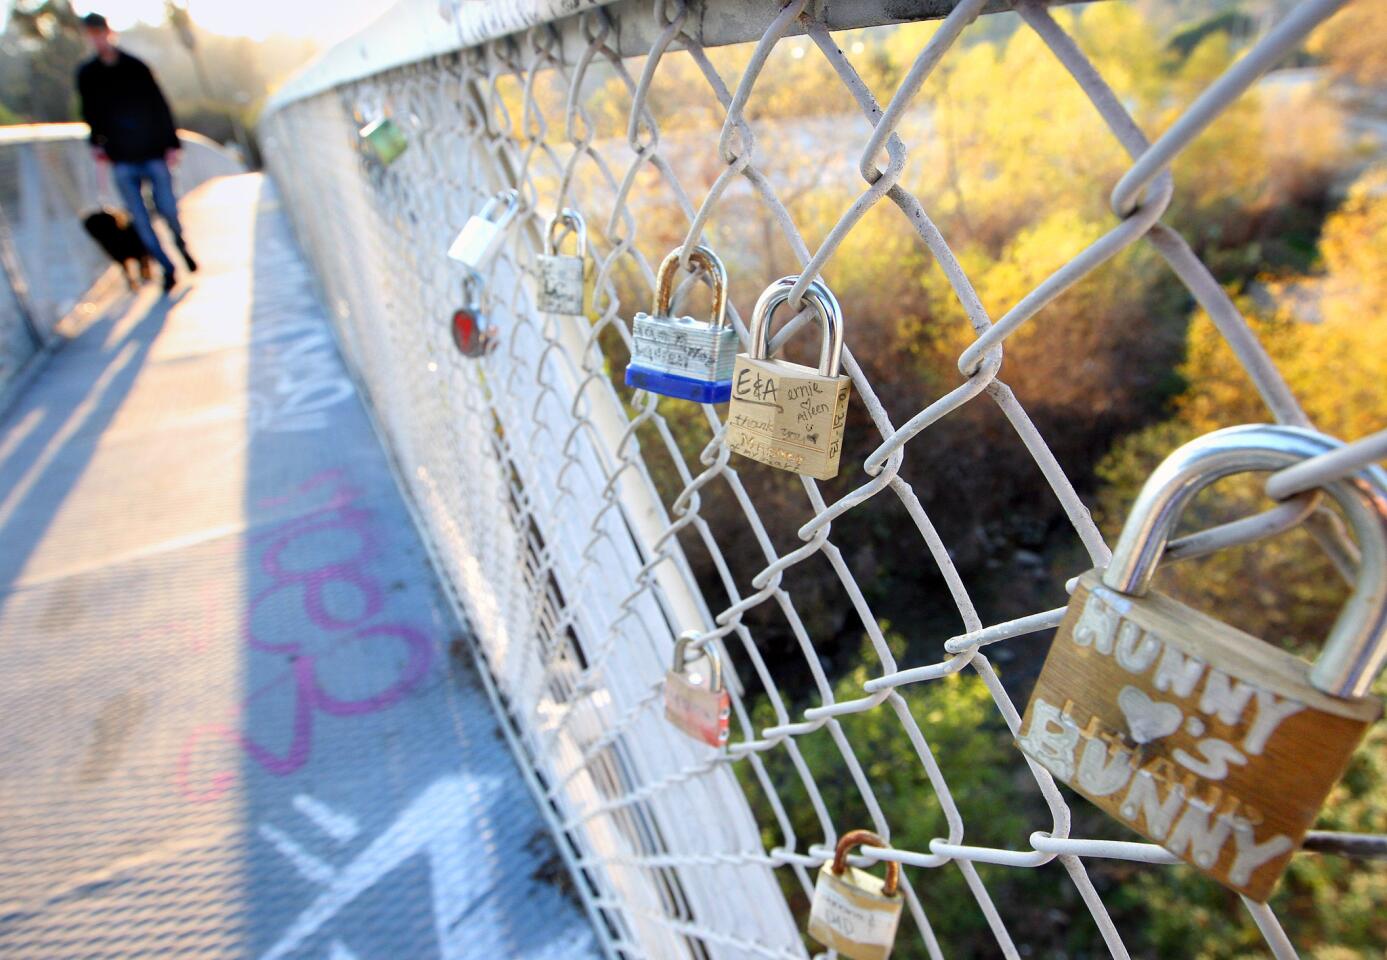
[126, 110]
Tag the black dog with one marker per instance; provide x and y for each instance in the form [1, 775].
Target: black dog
[116, 235]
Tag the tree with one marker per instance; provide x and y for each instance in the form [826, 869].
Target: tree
[1351, 44]
[39, 84]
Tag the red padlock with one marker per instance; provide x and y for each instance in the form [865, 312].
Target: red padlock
[472, 335]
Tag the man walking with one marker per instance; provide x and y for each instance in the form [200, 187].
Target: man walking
[132, 128]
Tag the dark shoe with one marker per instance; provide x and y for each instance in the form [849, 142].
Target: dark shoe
[187, 258]
[170, 281]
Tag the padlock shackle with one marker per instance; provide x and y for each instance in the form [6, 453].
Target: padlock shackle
[511, 199]
[681, 645]
[575, 224]
[372, 126]
[472, 284]
[825, 306]
[1356, 648]
[711, 263]
[859, 838]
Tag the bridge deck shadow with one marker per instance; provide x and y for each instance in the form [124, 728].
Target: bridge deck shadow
[239, 711]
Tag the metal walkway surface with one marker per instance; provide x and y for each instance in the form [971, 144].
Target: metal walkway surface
[239, 716]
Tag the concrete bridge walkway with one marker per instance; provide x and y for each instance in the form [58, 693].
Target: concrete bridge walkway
[239, 717]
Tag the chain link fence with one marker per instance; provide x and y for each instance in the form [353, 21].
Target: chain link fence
[571, 516]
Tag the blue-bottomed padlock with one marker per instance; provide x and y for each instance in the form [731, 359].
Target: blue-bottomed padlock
[679, 356]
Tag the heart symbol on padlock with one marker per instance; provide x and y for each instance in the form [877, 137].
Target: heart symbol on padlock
[1148, 719]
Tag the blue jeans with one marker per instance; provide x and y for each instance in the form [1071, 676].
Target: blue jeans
[130, 178]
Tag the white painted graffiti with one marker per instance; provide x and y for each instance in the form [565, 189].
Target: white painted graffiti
[1097, 762]
[1188, 811]
[1103, 627]
[436, 825]
[297, 377]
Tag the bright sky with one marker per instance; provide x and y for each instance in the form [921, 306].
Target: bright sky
[325, 21]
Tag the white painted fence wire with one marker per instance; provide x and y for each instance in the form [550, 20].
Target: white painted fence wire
[560, 504]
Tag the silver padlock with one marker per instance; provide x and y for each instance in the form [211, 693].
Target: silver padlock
[472, 334]
[696, 703]
[679, 356]
[561, 275]
[485, 231]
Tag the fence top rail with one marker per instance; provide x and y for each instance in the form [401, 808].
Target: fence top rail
[415, 30]
[51, 132]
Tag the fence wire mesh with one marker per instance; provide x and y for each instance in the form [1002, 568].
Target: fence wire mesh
[568, 511]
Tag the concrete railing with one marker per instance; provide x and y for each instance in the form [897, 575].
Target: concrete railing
[48, 182]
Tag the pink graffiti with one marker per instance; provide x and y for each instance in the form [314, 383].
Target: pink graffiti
[310, 697]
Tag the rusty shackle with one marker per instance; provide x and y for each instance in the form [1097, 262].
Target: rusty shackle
[701, 256]
[858, 838]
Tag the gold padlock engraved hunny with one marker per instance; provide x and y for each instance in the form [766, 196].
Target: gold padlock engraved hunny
[853, 911]
[560, 275]
[784, 414]
[1204, 739]
[697, 704]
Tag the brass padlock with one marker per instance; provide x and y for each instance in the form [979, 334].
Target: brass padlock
[1202, 738]
[853, 911]
[561, 275]
[384, 139]
[697, 704]
[679, 356]
[472, 334]
[784, 414]
[485, 230]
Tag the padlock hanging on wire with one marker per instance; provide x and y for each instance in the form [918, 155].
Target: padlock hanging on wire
[853, 911]
[383, 140]
[784, 414]
[1206, 740]
[481, 237]
[472, 334]
[682, 357]
[560, 276]
[697, 702]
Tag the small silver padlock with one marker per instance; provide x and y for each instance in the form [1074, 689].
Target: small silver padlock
[679, 356]
[561, 275]
[472, 334]
[697, 704]
[1204, 739]
[485, 231]
[784, 414]
[384, 140]
[853, 911]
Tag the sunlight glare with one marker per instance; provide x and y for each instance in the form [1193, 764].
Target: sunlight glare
[325, 21]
